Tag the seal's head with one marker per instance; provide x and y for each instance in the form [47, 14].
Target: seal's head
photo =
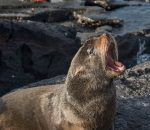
[98, 56]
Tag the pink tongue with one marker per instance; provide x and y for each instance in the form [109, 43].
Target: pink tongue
[118, 64]
[115, 65]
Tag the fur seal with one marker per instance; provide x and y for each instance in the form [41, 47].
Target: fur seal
[87, 100]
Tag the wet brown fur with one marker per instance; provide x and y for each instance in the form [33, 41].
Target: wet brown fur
[87, 100]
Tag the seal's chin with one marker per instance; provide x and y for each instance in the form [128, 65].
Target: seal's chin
[112, 64]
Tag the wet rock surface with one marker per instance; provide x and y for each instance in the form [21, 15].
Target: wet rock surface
[135, 82]
[134, 47]
[133, 114]
[133, 90]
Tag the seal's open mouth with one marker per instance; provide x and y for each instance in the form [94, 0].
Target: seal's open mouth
[112, 63]
[107, 47]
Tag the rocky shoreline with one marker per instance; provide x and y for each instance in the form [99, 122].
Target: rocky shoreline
[31, 51]
[38, 41]
[37, 53]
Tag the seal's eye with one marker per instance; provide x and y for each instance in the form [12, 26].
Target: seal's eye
[90, 51]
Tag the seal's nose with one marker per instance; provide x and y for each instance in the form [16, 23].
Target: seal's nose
[102, 43]
[104, 38]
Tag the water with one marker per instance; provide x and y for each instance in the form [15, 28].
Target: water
[55, 1]
[141, 57]
[135, 17]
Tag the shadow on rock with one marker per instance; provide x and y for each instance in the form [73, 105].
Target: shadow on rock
[32, 51]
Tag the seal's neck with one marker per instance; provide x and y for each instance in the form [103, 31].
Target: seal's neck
[86, 95]
[84, 89]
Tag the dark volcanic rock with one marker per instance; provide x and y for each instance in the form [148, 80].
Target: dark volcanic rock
[36, 14]
[106, 4]
[51, 15]
[32, 51]
[133, 114]
[135, 82]
[134, 47]
[19, 3]
[128, 46]
[36, 11]
[133, 89]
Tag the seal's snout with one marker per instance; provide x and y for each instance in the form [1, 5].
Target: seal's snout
[107, 48]
[102, 43]
[104, 38]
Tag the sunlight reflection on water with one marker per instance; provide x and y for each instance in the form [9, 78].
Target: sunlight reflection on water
[141, 57]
